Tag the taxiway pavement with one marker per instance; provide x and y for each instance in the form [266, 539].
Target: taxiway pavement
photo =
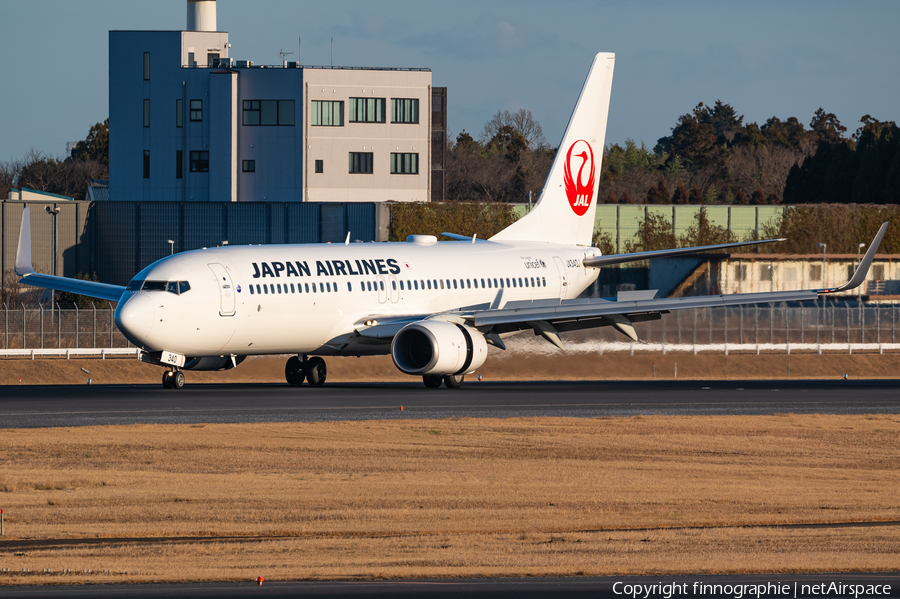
[45, 406]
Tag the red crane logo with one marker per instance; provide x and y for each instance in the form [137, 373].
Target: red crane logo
[579, 194]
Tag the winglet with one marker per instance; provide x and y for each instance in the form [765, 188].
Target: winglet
[23, 252]
[863, 269]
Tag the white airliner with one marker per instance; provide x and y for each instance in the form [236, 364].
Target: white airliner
[434, 306]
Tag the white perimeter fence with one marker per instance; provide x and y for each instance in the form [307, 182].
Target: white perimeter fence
[826, 326]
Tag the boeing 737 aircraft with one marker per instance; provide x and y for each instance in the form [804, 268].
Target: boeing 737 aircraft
[433, 306]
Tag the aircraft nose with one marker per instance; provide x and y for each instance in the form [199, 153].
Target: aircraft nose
[134, 317]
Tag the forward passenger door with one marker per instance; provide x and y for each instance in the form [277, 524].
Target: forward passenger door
[226, 289]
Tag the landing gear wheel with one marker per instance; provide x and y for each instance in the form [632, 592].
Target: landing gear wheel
[454, 381]
[167, 379]
[177, 380]
[432, 381]
[294, 372]
[316, 371]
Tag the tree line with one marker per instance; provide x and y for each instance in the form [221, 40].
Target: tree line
[710, 157]
[70, 176]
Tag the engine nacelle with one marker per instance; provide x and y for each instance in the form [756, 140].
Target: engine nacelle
[437, 347]
[212, 363]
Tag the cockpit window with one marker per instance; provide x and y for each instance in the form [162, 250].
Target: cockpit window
[176, 287]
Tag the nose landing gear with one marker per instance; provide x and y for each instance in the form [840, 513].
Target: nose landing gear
[299, 369]
[173, 379]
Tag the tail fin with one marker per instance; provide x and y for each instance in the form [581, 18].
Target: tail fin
[565, 211]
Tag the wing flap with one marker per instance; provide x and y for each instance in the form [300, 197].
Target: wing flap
[596, 308]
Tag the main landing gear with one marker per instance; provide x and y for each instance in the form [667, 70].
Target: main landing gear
[300, 369]
[173, 379]
[452, 381]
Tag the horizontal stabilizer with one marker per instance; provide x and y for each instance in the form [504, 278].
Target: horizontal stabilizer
[458, 237]
[597, 261]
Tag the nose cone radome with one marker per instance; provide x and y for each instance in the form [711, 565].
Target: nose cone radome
[134, 317]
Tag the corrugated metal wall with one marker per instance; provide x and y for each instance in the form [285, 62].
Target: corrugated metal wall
[73, 241]
[117, 239]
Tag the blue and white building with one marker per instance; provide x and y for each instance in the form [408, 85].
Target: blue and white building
[188, 122]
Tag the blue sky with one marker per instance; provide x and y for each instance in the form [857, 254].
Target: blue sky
[764, 58]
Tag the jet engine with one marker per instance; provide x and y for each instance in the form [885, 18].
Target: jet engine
[212, 363]
[436, 347]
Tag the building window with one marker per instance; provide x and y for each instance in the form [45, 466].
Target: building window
[405, 110]
[196, 110]
[179, 113]
[765, 272]
[361, 162]
[212, 59]
[367, 110]
[815, 272]
[190, 59]
[327, 113]
[269, 112]
[199, 162]
[146, 66]
[146, 164]
[740, 272]
[320, 166]
[146, 113]
[179, 164]
[404, 164]
[249, 166]
[878, 272]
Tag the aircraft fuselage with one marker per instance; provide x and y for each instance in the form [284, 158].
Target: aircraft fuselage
[309, 299]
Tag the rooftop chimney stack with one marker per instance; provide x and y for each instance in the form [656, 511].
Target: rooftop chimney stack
[201, 15]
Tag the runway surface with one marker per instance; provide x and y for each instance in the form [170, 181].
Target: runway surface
[518, 588]
[45, 406]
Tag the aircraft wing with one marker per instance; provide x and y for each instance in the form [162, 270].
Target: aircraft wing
[550, 317]
[25, 270]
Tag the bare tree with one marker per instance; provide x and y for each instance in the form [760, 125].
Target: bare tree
[67, 177]
[522, 121]
[9, 176]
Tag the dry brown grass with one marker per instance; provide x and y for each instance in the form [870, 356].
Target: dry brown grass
[501, 366]
[455, 497]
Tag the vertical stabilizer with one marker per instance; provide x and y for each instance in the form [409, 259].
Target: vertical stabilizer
[564, 213]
